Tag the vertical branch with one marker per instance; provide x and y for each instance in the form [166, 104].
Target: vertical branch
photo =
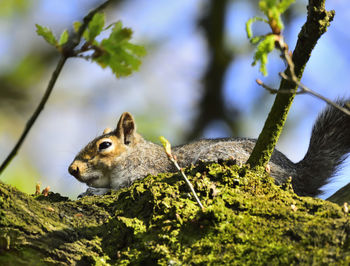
[318, 20]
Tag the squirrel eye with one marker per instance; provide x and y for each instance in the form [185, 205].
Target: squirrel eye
[104, 145]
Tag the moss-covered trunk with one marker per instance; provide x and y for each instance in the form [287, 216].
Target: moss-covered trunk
[247, 220]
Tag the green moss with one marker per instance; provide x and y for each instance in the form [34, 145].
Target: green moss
[247, 220]
[24, 256]
[51, 197]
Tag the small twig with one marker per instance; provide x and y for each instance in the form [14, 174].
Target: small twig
[288, 59]
[285, 54]
[98, 51]
[36, 113]
[67, 52]
[274, 91]
[172, 158]
[317, 95]
[86, 57]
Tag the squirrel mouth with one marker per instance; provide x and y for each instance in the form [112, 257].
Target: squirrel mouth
[86, 179]
[90, 179]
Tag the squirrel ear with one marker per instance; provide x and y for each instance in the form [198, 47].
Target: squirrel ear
[126, 128]
[107, 130]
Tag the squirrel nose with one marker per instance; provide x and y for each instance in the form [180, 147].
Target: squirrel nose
[73, 170]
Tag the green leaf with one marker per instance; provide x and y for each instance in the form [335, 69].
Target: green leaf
[119, 54]
[248, 25]
[96, 26]
[117, 26]
[265, 47]
[76, 25]
[256, 39]
[136, 49]
[119, 60]
[272, 9]
[47, 34]
[284, 5]
[64, 37]
[120, 34]
[111, 25]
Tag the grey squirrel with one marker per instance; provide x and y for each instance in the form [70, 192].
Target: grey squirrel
[119, 157]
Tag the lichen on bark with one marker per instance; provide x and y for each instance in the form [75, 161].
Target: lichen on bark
[247, 220]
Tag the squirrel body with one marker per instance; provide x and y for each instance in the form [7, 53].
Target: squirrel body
[119, 157]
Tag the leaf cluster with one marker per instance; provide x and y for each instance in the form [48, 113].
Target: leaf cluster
[272, 9]
[116, 51]
[47, 34]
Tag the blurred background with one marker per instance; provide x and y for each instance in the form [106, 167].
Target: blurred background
[196, 81]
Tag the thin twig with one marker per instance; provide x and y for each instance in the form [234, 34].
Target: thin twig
[274, 91]
[317, 95]
[288, 59]
[285, 54]
[68, 51]
[36, 113]
[74, 38]
[167, 148]
[86, 57]
[173, 160]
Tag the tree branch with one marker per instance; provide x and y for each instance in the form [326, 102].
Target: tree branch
[68, 51]
[317, 22]
[305, 89]
[153, 222]
[274, 91]
[36, 113]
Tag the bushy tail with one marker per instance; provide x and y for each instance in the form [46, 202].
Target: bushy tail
[329, 146]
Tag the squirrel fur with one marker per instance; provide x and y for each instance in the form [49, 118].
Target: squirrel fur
[119, 157]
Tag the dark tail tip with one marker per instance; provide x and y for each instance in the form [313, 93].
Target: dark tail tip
[329, 147]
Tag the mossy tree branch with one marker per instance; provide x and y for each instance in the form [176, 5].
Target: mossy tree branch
[318, 20]
[153, 222]
[67, 52]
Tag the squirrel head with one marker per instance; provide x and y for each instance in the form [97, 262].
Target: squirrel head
[94, 164]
